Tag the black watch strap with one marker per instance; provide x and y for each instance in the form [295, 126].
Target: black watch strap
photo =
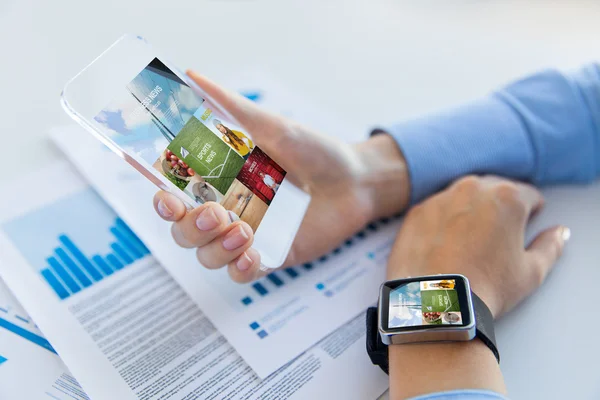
[485, 325]
[378, 351]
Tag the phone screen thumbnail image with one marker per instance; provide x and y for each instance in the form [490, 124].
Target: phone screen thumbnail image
[161, 120]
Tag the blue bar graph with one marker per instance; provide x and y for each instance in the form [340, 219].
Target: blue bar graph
[130, 246]
[260, 289]
[71, 270]
[114, 261]
[62, 273]
[121, 253]
[80, 257]
[75, 242]
[102, 265]
[72, 266]
[298, 270]
[275, 279]
[133, 237]
[55, 284]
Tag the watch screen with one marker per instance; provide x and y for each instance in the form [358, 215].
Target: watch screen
[424, 303]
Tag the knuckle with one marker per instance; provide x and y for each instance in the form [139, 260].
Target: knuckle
[178, 236]
[538, 274]
[467, 188]
[468, 184]
[415, 211]
[419, 211]
[537, 271]
[508, 194]
[236, 275]
[206, 261]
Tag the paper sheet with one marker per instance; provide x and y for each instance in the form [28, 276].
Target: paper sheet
[289, 310]
[124, 327]
[29, 366]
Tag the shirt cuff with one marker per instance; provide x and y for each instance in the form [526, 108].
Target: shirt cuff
[587, 81]
[462, 395]
[485, 136]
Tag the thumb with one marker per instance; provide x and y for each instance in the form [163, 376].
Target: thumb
[261, 124]
[544, 251]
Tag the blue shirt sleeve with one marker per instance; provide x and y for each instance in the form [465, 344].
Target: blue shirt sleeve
[544, 129]
[462, 395]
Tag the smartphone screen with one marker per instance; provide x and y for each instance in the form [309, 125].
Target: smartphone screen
[163, 121]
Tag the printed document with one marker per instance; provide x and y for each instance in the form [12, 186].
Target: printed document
[29, 366]
[121, 323]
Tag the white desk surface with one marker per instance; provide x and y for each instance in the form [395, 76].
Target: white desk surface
[370, 61]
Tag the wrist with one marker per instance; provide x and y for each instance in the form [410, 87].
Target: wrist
[384, 176]
[448, 366]
[488, 294]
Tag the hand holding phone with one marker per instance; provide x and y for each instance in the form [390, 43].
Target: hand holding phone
[212, 150]
[185, 142]
[349, 185]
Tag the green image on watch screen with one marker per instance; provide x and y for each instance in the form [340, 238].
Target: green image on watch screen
[424, 303]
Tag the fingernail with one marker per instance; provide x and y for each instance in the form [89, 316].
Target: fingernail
[163, 209]
[565, 234]
[244, 262]
[232, 216]
[235, 238]
[207, 220]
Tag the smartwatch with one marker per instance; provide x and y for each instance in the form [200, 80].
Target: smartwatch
[436, 308]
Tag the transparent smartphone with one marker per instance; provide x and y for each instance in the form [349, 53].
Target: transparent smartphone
[154, 117]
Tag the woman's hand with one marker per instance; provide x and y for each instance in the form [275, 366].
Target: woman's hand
[475, 228]
[350, 185]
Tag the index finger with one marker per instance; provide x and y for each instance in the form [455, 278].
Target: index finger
[262, 124]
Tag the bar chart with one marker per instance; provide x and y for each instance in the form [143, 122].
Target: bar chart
[70, 270]
[278, 279]
[80, 241]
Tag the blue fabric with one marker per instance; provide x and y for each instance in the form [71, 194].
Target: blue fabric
[462, 395]
[543, 129]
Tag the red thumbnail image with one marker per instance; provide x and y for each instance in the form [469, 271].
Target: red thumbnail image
[261, 175]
